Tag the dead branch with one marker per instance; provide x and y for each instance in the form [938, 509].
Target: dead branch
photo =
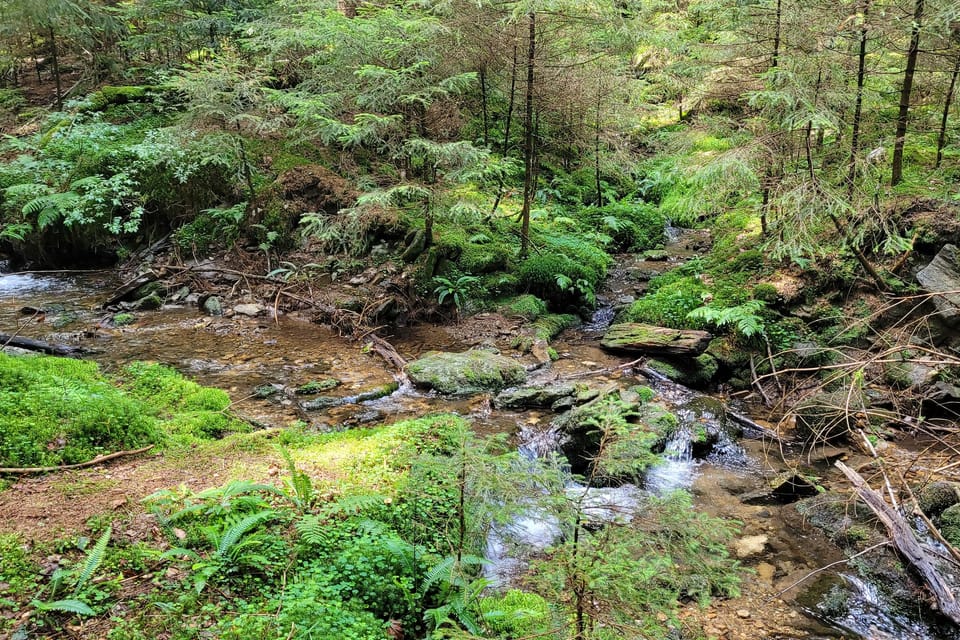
[27, 471]
[29, 344]
[906, 543]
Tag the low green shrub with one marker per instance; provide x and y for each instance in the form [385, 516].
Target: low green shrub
[632, 226]
[528, 306]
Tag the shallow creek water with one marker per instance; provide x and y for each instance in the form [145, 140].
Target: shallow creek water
[240, 354]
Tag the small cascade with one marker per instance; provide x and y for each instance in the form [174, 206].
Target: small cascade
[678, 467]
[867, 614]
[673, 233]
[24, 283]
[601, 320]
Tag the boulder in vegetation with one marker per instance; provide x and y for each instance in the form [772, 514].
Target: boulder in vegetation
[942, 277]
[828, 416]
[466, 373]
[693, 372]
[636, 337]
[937, 497]
[950, 525]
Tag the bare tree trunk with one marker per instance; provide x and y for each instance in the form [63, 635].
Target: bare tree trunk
[528, 180]
[858, 105]
[513, 94]
[56, 67]
[347, 7]
[596, 149]
[947, 103]
[775, 59]
[912, 54]
[483, 106]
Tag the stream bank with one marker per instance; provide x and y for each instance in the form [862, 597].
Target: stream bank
[242, 354]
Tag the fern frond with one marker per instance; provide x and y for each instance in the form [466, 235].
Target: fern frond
[92, 563]
[233, 535]
[66, 606]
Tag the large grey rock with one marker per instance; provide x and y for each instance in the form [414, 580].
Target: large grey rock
[465, 373]
[249, 310]
[942, 277]
[542, 396]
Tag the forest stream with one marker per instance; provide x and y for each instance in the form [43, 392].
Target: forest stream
[249, 357]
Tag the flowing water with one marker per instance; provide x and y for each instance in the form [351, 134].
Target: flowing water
[241, 355]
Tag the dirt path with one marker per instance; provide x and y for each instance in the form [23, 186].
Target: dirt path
[52, 506]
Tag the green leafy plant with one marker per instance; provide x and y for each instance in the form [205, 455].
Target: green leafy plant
[77, 578]
[744, 319]
[458, 291]
[232, 549]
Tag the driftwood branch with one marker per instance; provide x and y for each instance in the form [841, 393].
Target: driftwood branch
[29, 344]
[906, 543]
[27, 471]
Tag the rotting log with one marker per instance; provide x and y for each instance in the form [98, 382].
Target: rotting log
[906, 543]
[127, 288]
[635, 337]
[48, 348]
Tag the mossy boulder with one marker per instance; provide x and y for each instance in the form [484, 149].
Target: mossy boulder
[541, 396]
[465, 373]
[937, 497]
[950, 525]
[636, 433]
[527, 306]
[635, 337]
[829, 416]
[695, 372]
[147, 303]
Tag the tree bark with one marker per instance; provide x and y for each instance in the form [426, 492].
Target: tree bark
[947, 103]
[347, 7]
[858, 105]
[56, 67]
[528, 181]
[39, 346]
[483, 106]
[903, 537]
[513, 94]
[905, 90]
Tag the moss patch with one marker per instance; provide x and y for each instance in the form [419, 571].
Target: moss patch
[465, 373]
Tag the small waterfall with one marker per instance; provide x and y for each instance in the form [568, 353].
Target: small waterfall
[678, 467]
[673, 233]
[601, 320]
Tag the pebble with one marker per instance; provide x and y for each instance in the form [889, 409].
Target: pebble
[743, 613]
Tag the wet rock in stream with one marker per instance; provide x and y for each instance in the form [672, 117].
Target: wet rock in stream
[326, 402]
[641, 432]
[465, 373]
[540, 396]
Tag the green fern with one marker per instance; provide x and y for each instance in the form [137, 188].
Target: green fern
[66, 606]
[225, 544]
[743, 318]
[299, 486]
[93, 561]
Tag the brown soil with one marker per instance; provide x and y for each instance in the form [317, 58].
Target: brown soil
[46, 508]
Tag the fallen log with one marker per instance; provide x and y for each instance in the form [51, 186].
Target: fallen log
[39, 345]
[27, 471]
[906, 543]
[635, 337]
[127, 288]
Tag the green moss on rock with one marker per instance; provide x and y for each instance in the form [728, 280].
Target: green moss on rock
[950, 525]
[465, 373]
